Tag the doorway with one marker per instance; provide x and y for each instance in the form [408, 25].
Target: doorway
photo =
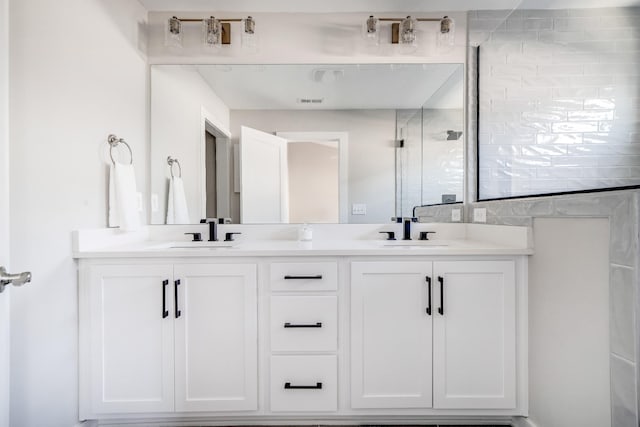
[327, 145]
[210, 170]
[215, 170]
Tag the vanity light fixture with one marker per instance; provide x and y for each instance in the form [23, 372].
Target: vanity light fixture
[215, 32]
[404, 32]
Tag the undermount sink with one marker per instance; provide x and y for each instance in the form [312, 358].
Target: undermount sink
[415, 243]
[198, 245]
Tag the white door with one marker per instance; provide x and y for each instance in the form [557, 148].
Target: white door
[264, 192]
[474, 332]
[391, 332]
[216, 335]
[131, 344]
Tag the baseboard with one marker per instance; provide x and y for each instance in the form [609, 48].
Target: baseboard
[86, 424]
[523, 422]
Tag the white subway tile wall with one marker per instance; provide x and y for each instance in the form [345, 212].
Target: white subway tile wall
[430, 166]
[559, 100]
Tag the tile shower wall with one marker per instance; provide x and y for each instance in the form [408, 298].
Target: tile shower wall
[559, 100]
[429, 166]
[610, 45]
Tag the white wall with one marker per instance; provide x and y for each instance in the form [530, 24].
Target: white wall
[4, 212]
[569, 323]
[371, 172]
[178, 95]
[78, 72]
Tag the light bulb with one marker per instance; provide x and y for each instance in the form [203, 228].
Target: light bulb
[446, 35]
[249, 37]
[173, 32]
[211, 33]
[371, 32]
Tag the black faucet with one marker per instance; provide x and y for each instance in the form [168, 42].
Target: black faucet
[406, 234]
[213, 227]
[406, 228]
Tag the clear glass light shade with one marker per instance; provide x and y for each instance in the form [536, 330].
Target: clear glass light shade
[173, 32]
[408, 32]
[371, 31]
[211, 33]
[447, 32]
[249, 37]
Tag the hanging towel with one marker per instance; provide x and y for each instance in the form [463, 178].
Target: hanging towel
[123, 199]
[177, 212]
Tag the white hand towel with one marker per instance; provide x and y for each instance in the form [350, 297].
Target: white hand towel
[123, 200]
[177, 212]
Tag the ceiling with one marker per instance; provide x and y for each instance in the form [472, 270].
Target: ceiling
[335, 87]
[372, 6]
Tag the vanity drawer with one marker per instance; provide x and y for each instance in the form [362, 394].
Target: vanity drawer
[304, 323]
[304, 276]
[304, 383]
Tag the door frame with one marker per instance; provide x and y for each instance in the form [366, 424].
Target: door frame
[342, 138]
[5, 297]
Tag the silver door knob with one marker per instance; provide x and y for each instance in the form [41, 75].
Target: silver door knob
[15, 279]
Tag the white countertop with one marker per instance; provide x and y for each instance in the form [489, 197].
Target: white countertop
[452, 239]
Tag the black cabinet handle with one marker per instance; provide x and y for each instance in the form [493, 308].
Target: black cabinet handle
[288, 386]
[316, 277]
[312, 325]
[228, 237]
[165, 312]
[428, 294]
[176, 283]
[441, 309]
[197, 237]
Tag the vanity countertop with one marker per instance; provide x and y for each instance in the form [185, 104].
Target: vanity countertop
[453, 239]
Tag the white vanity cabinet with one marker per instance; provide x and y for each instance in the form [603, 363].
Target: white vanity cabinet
[158, 338]
[447, 327]
[270, 336]
[303, 335]
[390, 335]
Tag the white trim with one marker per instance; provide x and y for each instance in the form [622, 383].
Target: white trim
[522, 422]
[343, 155]
[5, 297]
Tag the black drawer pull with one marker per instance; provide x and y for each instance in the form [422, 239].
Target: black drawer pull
[288, 386]
[316, 277]
[176, 283]
[441, 308]
[312, 325]
[165, 312]
[429, 294]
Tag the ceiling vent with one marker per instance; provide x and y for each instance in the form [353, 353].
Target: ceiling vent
[310, 100]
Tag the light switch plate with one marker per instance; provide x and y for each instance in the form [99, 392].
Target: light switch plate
[456, 215]
[479, 215]
[139, 197]
[154, 202]
[358, 209]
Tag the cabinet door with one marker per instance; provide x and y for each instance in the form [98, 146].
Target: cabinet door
[391, 334]
[216, 337]
[131, 342]
[474, 345]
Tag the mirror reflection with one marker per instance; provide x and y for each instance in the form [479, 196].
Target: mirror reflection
[305, 143]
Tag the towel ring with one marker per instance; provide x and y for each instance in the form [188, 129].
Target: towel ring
[170, 162]
[113, 142]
